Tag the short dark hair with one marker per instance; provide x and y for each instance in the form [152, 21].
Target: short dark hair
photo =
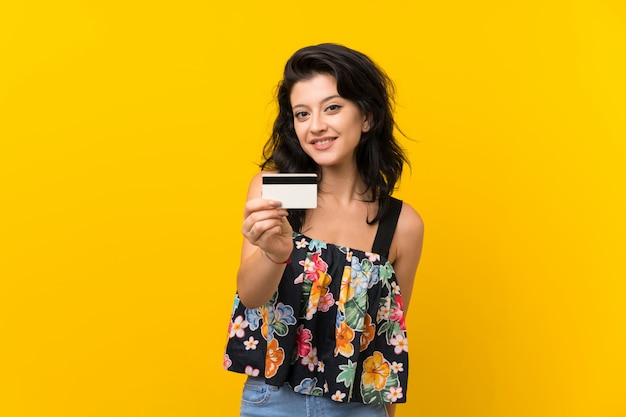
[379, 157]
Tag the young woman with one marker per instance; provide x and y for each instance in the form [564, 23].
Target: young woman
[318, 322]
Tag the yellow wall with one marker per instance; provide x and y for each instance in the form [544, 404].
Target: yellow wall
[128, 132]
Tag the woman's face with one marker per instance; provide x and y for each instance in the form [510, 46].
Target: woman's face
[328, 126]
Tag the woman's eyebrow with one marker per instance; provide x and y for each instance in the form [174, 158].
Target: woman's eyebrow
[323, 101]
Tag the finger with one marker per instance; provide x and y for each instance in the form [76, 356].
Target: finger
[259, 216]
[263, 228]
[260, 230]
[250, 233]
[285, 226]
[260, 204]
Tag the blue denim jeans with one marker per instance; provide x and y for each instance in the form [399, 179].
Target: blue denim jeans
[262, 400]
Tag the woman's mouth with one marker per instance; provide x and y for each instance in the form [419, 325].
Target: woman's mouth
[322, 143]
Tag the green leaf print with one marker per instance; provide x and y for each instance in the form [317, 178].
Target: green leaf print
[385, 327]
[280, 328]
[306, 294]
[347, 373]
[356, 308]
[389, 328]
[343, 249]
[366, 265]
[385, 272]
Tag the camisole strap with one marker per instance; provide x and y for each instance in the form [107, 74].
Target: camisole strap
[387, 227]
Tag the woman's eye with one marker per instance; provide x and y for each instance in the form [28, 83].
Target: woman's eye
[333, 107]
[301, 115]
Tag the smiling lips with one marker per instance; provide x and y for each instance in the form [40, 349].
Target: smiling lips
[322, 143]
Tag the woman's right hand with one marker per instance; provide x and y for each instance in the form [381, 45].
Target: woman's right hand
[265, 229]
[265, 225]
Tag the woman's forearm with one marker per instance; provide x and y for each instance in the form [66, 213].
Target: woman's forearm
[258, 278]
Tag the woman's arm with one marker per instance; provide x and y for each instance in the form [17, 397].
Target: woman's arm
[406, 250]
[267, 242]
[405, 253]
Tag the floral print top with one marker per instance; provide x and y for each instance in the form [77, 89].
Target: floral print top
[335, 327]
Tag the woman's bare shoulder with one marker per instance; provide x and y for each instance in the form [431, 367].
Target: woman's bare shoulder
[410, 220]
[409, 234]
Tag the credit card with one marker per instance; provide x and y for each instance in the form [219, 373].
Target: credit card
[295, 191]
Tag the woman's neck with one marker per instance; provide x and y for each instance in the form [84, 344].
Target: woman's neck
[343, 185]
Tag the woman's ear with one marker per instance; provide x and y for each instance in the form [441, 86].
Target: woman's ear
[367, 123]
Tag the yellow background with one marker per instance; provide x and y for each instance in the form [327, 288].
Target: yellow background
[129, 130]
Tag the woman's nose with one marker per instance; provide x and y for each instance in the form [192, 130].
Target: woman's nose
[317, 123]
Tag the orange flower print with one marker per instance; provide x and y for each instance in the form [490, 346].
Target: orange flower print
[273, 358]
[347, 291]
[320, 287]
[376, 370]
[369, 331]
[343, 339]
[264, 312]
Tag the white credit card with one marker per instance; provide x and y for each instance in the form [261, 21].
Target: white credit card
[295, 191]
